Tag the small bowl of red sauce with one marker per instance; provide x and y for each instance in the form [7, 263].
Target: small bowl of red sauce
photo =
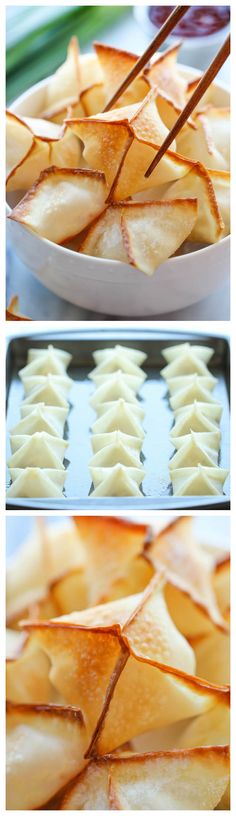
[201, 30]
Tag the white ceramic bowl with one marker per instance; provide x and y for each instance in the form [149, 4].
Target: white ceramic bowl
[112, 287]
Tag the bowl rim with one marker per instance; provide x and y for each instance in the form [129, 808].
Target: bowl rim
[106, 261]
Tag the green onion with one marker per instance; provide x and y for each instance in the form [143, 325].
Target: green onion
[37, 39]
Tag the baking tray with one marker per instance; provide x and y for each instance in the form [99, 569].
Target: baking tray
[157, 448]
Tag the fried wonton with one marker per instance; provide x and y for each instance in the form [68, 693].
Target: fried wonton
[50, 145]
[122, 144]
[62, 203]
[64, 86]
[142, 234]
[45, 744]
[153, 781]
[209, 225]
[164, 75]
[115, 65]
[189, 572]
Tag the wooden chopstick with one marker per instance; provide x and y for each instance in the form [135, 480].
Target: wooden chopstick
[221, 56]
[158, 40]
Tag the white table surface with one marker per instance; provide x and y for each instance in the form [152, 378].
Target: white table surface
[40, 304]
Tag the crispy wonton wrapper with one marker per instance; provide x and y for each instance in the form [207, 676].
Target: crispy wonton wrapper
[45, 750]
[176, 780]
[62, 203]
[142, 234]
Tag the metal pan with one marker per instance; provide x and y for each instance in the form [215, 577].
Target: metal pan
[157, 448]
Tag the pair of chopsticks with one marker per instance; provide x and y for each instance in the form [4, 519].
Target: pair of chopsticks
[208, 77]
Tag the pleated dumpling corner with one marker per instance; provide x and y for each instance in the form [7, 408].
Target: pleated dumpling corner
[186, 363]
[41, 417]
[40, 450]
[118, 480]
[206, 381]
[121, 418]
[60, 381]
[35, 482]
[204, 353]
[195, 449]
[115, 387]
[36, 353]
[190, 393]
[136, 356]
[212, 410]
[114, 454]
[101, 440]
[198, 481]
[118, 361]
[47, 361]
[192, 419]
[45, 389]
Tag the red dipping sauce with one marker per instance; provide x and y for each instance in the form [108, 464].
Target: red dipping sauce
[199, 21]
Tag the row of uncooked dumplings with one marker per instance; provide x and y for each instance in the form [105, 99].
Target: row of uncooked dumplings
[196, 436]
[37, 444]
[117, 438]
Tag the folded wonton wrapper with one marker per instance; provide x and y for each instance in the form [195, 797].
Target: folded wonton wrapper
[213, 656]
[135, 407]
[130, 137]
[206, 439]
[40, 450]
[118, 362]
[47, 554]
[152, 781]
[119, 480]
[99, 441]
[192, 419]
[144, 234]
[163, 73]
[189, 572]
[62, 203]
[119, 418]
[195, 449]
[35, 482]
[186, 363]
[33, 145]
[134, 381]
[209, 225]
[114, 454]
[115, 65]
[60, 381]
[204, 353]
[48, 362]
[132, 354]
[209, 143]
[221, 184]
[45, 750]
[190, 393]
[40, 417]
[198, 481]
[117, 388]
[51, 389]
[176, 384]
[64, 86]
[36, 353]
[212, 411]
[124, 668]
